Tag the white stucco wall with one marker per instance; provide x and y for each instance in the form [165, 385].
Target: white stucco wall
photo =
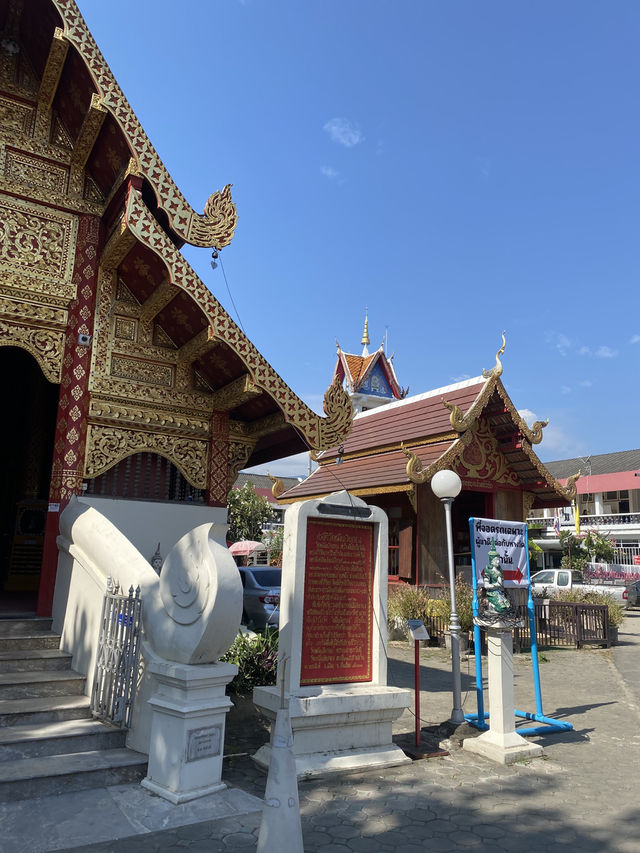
[145, 523]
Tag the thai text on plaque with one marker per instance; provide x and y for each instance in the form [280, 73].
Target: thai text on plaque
[337, 621]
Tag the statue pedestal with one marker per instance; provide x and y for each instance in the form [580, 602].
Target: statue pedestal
[187, 729]
[501, 743]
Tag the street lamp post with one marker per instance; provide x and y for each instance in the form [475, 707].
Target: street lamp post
[446, 485]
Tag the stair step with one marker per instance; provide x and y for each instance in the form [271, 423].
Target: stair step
[29, 640]
[37, 741]
[61, 774]
[9, 626]
[31, 685]
[31, 660]
[50, 709]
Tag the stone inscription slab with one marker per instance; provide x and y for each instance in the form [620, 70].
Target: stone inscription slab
[203, 743]
[337, 621]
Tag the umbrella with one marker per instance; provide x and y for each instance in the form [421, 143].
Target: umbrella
[246, 547]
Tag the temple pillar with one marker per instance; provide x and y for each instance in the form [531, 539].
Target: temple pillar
[218, 473]
[73, 405]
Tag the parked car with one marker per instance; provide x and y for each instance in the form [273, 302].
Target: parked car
[261, 597]
[556, 580]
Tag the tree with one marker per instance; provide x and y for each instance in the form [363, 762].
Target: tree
[247, 511]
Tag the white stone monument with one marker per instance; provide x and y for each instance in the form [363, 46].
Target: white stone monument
[333, 635]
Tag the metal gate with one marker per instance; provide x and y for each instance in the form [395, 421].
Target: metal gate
[116, 674]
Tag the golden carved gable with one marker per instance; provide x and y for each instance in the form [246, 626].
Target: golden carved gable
[482, 459]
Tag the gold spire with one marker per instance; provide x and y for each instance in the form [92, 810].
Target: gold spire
[365, 335]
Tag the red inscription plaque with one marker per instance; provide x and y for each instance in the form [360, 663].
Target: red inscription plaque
[337, 621]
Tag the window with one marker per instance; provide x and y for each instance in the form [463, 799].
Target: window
[563, 578]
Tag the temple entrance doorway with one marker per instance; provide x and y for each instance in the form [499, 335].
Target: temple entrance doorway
[26, 453]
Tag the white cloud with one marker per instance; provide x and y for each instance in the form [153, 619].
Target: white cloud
[343, 132]
[584, 351]
[527, 416]
[460, 378]
[561, 342]
[330, 172]
[585, 383]
[635, 339]
[605, 352]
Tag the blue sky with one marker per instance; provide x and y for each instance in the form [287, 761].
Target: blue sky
[459, 168]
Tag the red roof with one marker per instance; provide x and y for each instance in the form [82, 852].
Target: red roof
[374, 462]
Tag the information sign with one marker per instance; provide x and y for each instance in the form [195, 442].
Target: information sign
[509, 540]
[418, 630]
[337, 622]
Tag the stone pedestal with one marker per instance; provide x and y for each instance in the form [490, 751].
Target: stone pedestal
[337, 729]
[187, 729]
[501, 743]
[332, 653]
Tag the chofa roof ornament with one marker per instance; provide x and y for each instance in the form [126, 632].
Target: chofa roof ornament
[497, 370]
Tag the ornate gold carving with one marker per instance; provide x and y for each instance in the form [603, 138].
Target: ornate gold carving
[415, 472]
[38, 243]
[483, 460]
[278, 486]
[533, 435]
[60, 136]
[217, 225]
[201, 230]
[239, 454]
[45, 345]
[49, 82]
[570, 488]
[319, 433]
[412, 495]
[108, 445]
[497, 370]
[15, 116]
[155, 418]
[339, 421]
[125, 328]
[87, 136]
[235, 393]
[528, 499]
[118, 246]
[13, 308]
[50, 197]
[137, 370]
[23, 168]
[456, 418]
[160, 297]
[314, 456]
[194, 348]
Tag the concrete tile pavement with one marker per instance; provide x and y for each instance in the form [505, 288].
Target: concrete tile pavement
[584, 794]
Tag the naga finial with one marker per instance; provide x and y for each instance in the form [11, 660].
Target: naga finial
[278, 486]
[533, 434]
[415, 472]
[571, 490]
[456, 418]
[497, 370]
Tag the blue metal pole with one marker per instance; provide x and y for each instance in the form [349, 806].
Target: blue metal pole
[532, 630]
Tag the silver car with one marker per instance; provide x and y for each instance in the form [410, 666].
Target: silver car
[261, 596]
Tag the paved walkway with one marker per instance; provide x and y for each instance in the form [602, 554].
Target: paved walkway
[583, 795]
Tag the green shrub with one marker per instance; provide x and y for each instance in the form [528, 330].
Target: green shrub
[256, 656]
[464, 602]
[406, 602]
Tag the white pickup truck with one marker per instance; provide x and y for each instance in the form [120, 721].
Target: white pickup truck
[556, 580]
